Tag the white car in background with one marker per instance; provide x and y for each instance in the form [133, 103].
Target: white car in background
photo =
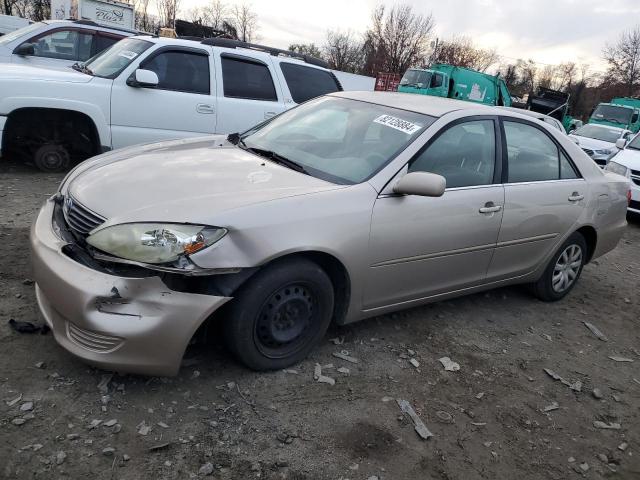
[58, 43]
[599, 141]
[147, 89]
[627, 163]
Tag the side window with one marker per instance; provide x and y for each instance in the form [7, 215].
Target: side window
[85, 41]
[532, 155]
[247, 79]
[102, 42]
[306, 83]
[436, 80]
[181, 71]
[61, 44]
[567, 171]
[464, 154]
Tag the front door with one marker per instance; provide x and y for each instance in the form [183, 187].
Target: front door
[544, 196]
[421, 247]
[182, 105]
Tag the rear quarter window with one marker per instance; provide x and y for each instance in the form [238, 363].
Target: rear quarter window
[248, 79]
[306, 83]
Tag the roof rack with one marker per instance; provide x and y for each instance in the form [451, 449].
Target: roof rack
[229, 43]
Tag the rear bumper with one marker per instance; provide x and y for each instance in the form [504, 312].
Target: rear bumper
[134, 325]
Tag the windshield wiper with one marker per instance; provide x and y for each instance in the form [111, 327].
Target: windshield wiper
[277, 158]
[81, 67]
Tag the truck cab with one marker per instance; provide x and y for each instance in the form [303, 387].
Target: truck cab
[619, 113]
[442, 80]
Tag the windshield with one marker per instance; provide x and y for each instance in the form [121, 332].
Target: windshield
[599, 133]
[339, 140]
[613, 113]
[635, 143]
[114, 60]
[24, 31]
[416, 78]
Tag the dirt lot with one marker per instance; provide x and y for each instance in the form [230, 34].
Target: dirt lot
[488, 418]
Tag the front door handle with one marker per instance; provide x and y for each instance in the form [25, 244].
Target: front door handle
[205, 108]
[490, 207]
[575, 197]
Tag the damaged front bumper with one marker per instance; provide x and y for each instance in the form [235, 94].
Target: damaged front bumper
[126, 324]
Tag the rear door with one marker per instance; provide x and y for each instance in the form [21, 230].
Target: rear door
[544, 196]
[181, 106]
[248, 92]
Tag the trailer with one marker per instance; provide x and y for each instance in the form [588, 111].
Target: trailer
[110, 13]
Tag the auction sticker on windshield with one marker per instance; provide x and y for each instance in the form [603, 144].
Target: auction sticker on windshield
[397, 123]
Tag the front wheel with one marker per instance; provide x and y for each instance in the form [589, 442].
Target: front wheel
[563, 270]
[280, 315]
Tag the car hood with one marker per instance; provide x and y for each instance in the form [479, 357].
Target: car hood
[25, 72]
[186, 182]
[628, 157]
[593, 144]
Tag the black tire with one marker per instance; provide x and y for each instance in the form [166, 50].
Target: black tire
[550, 287]
[52, 158]
[279, 315]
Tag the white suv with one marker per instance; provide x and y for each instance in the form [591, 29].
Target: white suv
[58, 43]
[147, 89]
[627, 163]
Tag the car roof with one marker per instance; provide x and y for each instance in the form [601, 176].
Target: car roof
[425, 104]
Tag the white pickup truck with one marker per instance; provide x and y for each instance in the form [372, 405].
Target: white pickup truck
[146, 89]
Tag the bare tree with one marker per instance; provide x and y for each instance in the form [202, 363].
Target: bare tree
[167, 10]
[214, 14]
[306, 49]
[397, 39]
[343, 51]
[245, 22]
[35, 10]
[461, 52]
[623, 58]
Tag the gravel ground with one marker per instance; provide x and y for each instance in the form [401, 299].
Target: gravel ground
[488, 419]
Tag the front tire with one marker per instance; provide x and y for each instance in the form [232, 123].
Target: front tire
[563, 271]
[280, 315]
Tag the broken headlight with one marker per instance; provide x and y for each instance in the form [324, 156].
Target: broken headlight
[154, 242]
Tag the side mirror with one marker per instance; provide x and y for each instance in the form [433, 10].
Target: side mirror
[423, 184]
[143, 79]
[621, 143]
[25, 50]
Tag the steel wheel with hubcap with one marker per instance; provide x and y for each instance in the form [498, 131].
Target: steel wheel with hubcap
[563, 270]
[52, 158]
[280, 314]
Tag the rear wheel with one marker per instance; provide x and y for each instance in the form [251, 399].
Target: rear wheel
[563, 270]
[277, 318]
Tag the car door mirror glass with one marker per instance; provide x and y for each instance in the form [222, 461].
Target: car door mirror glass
[424, 184]
[26, 49]
[143, 78]
[621, 143]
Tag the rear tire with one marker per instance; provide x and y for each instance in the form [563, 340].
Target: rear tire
[280, 314]
[563, 271]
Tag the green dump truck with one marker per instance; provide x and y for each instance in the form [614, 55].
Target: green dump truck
[623, 112]
[555, 104]
[442, 80]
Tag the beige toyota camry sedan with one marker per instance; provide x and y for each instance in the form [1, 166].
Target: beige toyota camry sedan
[348, 206]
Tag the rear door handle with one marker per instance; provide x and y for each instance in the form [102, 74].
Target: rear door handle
[575, 197]
[205, 108]
[490, 207]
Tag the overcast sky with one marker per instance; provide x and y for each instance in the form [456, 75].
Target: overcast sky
[547, 31]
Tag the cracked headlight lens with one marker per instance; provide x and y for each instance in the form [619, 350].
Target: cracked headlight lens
[617, 168]
[154, 242]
